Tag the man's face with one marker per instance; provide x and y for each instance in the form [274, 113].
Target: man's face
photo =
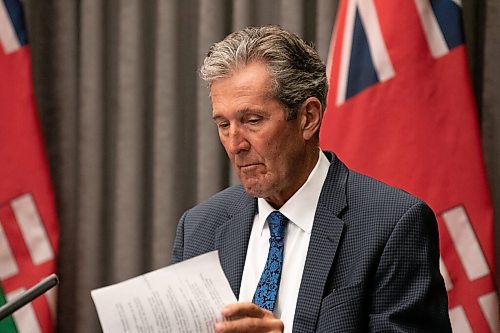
[266, 150]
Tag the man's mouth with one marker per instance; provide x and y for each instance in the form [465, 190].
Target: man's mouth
[248, 166]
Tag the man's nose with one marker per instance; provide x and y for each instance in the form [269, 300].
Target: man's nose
[236, 141]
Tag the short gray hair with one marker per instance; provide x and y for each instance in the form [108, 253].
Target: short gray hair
[295, 67]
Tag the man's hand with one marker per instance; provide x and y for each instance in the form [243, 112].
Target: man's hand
[248, 317]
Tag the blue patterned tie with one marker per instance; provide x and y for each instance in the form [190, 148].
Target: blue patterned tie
[267, 289]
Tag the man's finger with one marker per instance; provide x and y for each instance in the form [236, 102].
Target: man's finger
[250, 324]
[244, 309]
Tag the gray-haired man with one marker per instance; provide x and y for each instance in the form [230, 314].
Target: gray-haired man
[352, 254]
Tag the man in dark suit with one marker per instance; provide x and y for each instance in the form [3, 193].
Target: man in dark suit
[306, 244]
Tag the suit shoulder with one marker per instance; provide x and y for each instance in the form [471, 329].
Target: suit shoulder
[222, 200]
[373, 194]
[219, 205]
[198, 226]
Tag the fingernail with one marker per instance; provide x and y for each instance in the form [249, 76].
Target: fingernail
[224, 310]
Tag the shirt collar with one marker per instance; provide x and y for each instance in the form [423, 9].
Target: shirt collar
[301, 207]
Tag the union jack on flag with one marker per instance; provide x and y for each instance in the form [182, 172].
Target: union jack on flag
[401, 109]
[28, 223]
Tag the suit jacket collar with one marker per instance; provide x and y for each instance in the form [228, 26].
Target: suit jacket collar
[333, 195]
[325, 237]
[231, 239]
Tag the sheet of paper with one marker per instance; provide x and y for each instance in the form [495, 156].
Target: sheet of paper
[185, 297]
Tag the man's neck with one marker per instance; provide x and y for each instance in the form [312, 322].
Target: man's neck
[309, 163]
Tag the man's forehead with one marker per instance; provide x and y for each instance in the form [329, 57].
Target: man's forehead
[227, 94]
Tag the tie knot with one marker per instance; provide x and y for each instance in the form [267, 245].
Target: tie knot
[277, 224]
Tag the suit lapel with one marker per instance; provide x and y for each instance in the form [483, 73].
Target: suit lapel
[325, 237]
[231, 239]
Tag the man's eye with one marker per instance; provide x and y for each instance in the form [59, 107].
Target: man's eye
[254, 120]
[223, 125]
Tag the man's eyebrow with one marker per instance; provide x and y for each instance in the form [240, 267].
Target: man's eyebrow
[239, 113]
[217, 117]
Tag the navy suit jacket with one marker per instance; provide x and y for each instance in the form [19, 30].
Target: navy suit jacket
[372, 263]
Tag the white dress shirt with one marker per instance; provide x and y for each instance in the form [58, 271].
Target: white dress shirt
[300, 210]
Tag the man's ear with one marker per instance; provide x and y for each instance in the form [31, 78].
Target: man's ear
[311, 114]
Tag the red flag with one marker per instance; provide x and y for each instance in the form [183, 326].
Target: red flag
[28, 224]
[401, 109]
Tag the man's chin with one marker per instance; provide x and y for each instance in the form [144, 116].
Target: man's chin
[253, 190]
